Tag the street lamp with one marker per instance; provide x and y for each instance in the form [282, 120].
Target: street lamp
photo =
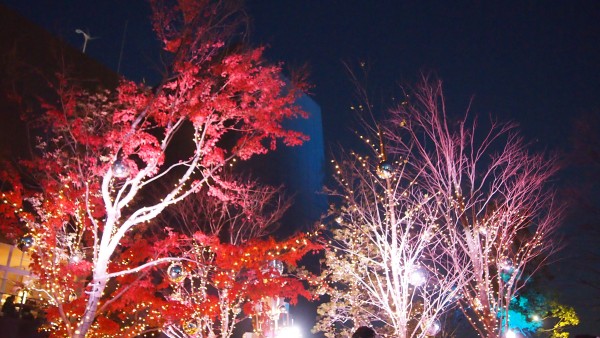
[289, 332]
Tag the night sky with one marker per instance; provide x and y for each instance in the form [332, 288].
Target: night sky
[535, 63]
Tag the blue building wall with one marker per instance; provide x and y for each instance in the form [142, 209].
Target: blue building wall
[299, 169]
[304, 166]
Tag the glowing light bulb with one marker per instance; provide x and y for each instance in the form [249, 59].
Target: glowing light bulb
[76, 258]
[418, 276]
[289, 332]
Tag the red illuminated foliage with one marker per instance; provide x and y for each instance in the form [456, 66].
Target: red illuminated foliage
[84, 195]
[226, 283]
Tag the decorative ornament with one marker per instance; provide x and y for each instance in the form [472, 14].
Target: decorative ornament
[176, 272]
[190, 327]
[385, 170]
[120, 169]
[76, 257]
[433, 327]
[26, 242]
[418, 276]
[277, 266]
[507, 265]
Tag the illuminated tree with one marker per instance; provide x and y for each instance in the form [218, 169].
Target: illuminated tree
[237, 272]
[532, 313]
[494, 204]
[564, 316]
[236, 282]
[83, 198]
[254, 211]
[385, 265]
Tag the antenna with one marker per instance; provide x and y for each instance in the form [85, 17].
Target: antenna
[86, 37]
[122, 47]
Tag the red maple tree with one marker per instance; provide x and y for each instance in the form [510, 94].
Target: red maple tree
[82, 202]
[223, 284]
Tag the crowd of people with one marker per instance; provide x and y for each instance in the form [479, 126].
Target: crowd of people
[13, 310]
[10, 309]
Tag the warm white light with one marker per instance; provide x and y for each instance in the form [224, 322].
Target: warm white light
[289, 332]
[76, 258]
[511, 334]
[536, 318]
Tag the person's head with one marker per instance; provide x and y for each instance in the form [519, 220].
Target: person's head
[364, 332]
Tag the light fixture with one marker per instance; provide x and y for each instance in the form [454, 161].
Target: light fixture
[289, 332]
[191, 327]
[507, 265]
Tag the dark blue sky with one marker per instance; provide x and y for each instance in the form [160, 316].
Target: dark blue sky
[533, 62]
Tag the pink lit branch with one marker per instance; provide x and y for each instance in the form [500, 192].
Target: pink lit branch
[496, 209]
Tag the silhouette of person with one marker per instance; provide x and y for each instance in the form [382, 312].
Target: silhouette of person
[364, 332]
[8, 308]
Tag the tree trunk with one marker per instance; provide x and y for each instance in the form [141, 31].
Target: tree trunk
[97, 285]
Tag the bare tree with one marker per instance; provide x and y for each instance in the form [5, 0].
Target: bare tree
[385, 266]
[496, 213]
[254, 211]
